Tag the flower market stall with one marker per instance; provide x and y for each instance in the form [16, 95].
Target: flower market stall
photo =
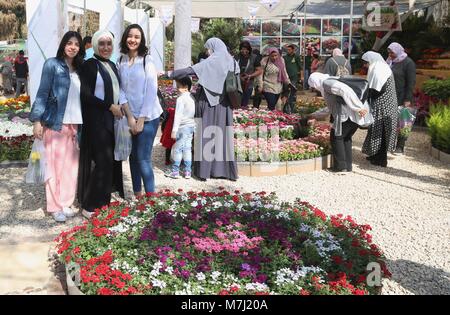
[16, 132]
[272, 143]
[225, 243]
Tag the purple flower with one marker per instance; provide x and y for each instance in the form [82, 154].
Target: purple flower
[179, 263]
[261, 278]
[246, 267]
[185, 274]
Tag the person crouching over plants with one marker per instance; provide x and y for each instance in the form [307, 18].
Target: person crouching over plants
[183, 129]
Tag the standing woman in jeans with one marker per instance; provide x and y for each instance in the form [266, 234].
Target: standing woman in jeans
[100, 174]
[274, 76]
[60, 80]
[141, 104]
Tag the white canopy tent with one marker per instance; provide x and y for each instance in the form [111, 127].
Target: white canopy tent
[47, 20]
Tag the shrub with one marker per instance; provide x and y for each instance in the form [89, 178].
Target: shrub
[439, 126]
[437, 88]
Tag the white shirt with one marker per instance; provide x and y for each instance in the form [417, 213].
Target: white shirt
[72, 114]
[353, 103]
[138, 87]
[184, 112]
[99, 87]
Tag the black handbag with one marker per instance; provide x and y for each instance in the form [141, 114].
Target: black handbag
[49, 116]
[233, 88]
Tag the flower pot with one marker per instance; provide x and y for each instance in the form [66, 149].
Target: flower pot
[435, 152]
[268, 169]
[244, 168]
[72, 288]
[7, 164]
[323, 162]
[303, 166]
[444, 157]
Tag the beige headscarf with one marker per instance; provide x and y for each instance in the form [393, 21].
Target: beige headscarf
[102, 34]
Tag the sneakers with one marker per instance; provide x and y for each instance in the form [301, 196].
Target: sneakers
[174, 175]
[59, 216]
[87, 214]
[187, 175]
[68, 212]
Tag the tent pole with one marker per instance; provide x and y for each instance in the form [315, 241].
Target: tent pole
[304, 43]
[137, 12]
[350, 32]
[84, 19]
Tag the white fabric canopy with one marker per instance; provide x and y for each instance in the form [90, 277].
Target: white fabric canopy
[315, 8]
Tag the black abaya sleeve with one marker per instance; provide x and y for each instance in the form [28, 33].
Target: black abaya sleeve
[180, 73]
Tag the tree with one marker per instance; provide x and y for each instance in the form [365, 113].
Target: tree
[12, 19]
[230, 31]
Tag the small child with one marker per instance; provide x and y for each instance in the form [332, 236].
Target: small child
[166, 127]
[183, 129]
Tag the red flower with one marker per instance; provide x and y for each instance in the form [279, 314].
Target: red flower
[125, 212]
[337, 259]
[235, 199]
[105, 291]
[358, 292]
[68, 258]
[100, 231]
[76, 250]
[234, 289]
[224, 292]
[304, 292]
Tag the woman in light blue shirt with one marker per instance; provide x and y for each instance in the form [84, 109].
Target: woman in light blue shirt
[139, 86]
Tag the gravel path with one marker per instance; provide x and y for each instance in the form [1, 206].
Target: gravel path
[407, 205]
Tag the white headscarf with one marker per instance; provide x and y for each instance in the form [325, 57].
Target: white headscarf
[399, 52]
[316, 81]
[97, 36]
[213, 71]
[379, 71]
[337, 52]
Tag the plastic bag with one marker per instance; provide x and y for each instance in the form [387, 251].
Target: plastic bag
[406, 118]
[36, 164]
[122, 149]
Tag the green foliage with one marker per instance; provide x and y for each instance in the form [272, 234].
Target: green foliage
[439, 126]
[437, 88]
[230, 31]
[419, 33]
[198, 43]
[12, 19]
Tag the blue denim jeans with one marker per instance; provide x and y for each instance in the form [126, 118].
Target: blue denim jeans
[246, 96]
[182, 149]
[271, 99]
[141, 157]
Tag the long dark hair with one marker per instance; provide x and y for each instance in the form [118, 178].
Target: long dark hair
[78, 60]
[142, 49]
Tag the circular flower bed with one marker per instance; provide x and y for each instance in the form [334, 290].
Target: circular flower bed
[219, 243]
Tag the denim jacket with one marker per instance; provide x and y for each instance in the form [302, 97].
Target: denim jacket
[55, 77]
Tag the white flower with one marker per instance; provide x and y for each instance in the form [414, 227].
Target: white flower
[215, 275]
[194, 203]
[260, 287]
[14, 129]
[201, 276]
[217, 204]
[159, 283]
[169, 270]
